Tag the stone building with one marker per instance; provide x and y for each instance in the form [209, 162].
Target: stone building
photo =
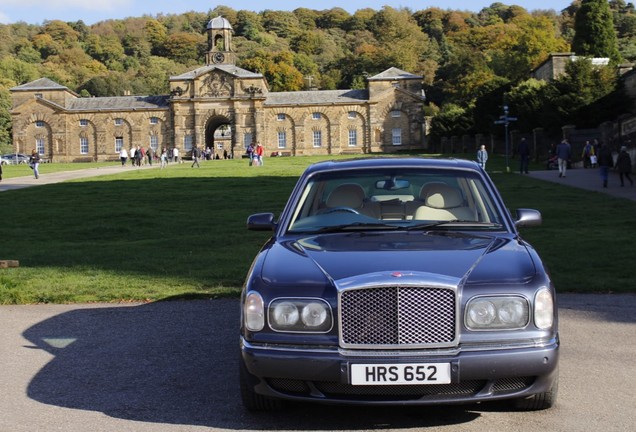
[223, 107]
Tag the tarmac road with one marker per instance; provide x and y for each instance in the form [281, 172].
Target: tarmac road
[172, 366]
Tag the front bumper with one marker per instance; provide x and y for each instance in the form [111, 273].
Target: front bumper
[323, 375]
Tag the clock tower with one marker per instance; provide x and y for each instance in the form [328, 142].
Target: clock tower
[220, 50]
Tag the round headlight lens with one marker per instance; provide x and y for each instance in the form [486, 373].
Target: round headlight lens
[513, 312]
[314, 314]
[285, 314]
[481, 313]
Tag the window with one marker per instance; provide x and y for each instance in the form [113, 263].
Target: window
[154, 120]
[352, 114]
[39, 123]
[119, 121]
[154, 142]
[280, 117]
[187, 143]
[247, 139]
[396, 136]
[83, 122]
[353, 137]
[396, 113]
[119, 143]
[316, 116]
[317, 138]
[282, 139]
[83, 145]
[39, 145]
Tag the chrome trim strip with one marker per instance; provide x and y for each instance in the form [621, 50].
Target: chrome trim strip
[468, 348]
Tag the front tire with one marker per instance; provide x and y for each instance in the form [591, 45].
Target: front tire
[253, 401]
[539, 401]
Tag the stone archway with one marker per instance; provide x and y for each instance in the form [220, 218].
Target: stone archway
[218, 136]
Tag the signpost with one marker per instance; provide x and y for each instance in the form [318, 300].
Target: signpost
[505, 120]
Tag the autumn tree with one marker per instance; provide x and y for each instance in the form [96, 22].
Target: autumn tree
[594, 34]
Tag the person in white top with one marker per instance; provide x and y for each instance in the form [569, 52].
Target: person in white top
[175, 154]
[123, 155]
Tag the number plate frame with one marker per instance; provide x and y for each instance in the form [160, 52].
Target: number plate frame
[400, 373]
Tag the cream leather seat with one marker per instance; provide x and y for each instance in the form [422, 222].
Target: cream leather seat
[444, 203]
[351, 195]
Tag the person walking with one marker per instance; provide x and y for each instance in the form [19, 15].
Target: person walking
[123, 155]
[250, 153]
[588, 152]
[195, 157]
[34, 163]
[259, 154]
[524, 156]
[624, 166]
[150, 154]
[132, 153]
[605, 162]
[164, 158]
[482, 157]
[563, 153]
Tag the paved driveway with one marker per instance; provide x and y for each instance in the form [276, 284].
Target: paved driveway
[172, 366]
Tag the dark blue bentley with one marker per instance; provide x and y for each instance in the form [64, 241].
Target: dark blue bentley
[397, 281]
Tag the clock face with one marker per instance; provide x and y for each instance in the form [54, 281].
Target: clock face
[219, 57]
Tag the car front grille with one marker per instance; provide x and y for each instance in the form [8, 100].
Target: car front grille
[397, 317]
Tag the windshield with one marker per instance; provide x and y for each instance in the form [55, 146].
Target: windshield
[388, 199]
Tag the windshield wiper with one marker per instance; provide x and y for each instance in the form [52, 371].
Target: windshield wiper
[452, 223]
[357, 226]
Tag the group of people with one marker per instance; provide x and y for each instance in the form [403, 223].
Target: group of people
[255, 154]
[599, 155]
[594, 155]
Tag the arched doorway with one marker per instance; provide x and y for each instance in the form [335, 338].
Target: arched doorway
[219, 137]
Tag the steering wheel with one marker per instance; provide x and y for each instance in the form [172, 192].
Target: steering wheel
[341, 209]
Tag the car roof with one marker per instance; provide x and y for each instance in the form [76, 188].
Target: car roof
[392, 162]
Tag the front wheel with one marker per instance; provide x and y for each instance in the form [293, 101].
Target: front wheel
[253, 401]
[539, 401]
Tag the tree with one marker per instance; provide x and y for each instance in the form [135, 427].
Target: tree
[5, 117]
[156, 34]
[594, 34]
[186, 48]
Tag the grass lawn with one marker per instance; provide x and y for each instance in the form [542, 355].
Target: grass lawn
[180, 232]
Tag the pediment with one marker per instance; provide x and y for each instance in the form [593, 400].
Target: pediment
[38, 105]
[215, 84]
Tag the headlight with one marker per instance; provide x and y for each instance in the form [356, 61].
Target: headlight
[300, 315]
[254, 312]
[543, 309]
[497, 313]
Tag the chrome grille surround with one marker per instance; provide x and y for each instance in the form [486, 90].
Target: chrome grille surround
[398, 316]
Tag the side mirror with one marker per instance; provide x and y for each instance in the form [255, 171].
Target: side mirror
[528, 218]
[261, 222]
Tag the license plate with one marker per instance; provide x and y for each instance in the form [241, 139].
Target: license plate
[402, 373]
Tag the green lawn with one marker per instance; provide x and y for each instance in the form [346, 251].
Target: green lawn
[180, 232]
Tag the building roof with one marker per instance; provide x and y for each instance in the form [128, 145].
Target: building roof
[394, 73]
[317, 97]
[231, 69]
[219, 23]
[40, 84]
[117, 103]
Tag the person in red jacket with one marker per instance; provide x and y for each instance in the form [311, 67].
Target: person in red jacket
[259, 154]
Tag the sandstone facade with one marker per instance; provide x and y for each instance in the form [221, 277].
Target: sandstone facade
[223, 107]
